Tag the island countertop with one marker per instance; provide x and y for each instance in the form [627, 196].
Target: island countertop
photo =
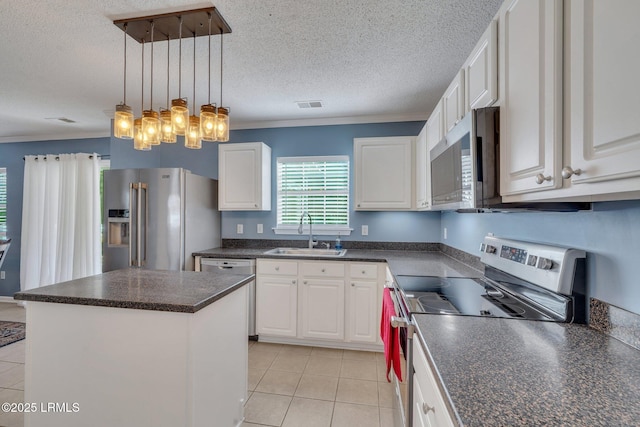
[176, 291]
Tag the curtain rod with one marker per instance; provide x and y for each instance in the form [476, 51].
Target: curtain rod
[100, 156]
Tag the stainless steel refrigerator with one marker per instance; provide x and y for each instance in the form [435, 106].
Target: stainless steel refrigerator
[156, 218]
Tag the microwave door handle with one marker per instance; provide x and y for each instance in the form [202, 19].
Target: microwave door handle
[479, 157]
[143, 220]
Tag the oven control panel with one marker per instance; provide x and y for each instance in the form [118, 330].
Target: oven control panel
[548, 266]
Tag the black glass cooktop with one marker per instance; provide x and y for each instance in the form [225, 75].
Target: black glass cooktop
[463, 296]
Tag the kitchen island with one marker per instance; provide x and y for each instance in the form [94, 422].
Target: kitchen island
[137, 347]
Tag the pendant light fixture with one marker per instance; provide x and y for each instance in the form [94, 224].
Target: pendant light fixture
[139, 137]
[222, 129]
[151, 127]
[179, 110]
[192, 137]
[151, 118]
[123, 118]
[167, 136]
[208, 116]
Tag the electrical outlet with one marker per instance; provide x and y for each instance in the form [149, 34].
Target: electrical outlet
[1, 275]
[365, 230]
[239, 228]
[445, 233]
[260, 230]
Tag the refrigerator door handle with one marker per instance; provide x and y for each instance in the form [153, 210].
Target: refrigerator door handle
[142, 256]
[132, 186]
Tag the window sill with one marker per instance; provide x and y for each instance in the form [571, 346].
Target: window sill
[318, 230]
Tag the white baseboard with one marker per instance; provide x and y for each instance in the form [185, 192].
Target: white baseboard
[8, 299]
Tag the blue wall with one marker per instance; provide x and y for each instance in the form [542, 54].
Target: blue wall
[610, 234]
[11, 157]
[293, 141]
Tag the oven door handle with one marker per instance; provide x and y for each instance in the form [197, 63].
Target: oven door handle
[400, 322]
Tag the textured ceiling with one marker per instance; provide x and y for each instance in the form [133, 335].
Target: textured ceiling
[367, 61]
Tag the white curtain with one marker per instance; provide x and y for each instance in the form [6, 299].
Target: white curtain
[60, 219]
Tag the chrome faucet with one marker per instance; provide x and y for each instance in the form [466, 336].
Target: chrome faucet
[312, 242]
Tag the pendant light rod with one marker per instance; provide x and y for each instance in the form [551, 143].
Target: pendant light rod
[151, 98]
[209, 73]
[124, 95]
[180, 61]
[168, 68]
[193, 102]
[221, 46]
[142, 85]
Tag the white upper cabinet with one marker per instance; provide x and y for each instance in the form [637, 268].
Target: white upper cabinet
[423, 184]
[435, 126]
[604, 95]
[244, 177]
[481, 71]
[530, 46]
[383, 173]
[453, 102]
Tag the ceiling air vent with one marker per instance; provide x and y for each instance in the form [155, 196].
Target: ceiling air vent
[309, 104]
[62, 119]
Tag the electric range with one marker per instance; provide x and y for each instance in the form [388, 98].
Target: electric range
[522, 281]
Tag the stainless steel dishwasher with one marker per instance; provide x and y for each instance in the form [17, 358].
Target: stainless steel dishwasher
[237, 266]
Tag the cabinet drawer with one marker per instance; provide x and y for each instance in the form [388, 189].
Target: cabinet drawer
[322, 269]
[278, 267]
[363, 271]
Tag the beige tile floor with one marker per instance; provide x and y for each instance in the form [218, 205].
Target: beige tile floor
[289, 386]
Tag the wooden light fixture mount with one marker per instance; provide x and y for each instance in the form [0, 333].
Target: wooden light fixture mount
[195, 23]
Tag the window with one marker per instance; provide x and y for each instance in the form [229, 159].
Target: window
[317, 185]
[3, 203]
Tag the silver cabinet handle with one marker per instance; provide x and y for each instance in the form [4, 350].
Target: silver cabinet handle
[568, 172]
[353, 284]
[540, 178]
[322, 270]
[363, 272]
[277, 268]
[293, 282]
[305, 282]
[426, 408]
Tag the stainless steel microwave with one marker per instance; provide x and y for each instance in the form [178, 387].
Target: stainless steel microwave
[465, 169]
[465, 163]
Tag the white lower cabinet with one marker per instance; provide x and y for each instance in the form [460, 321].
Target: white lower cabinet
[321, 309]
[277, 298]
[429, 409]
[332, 301]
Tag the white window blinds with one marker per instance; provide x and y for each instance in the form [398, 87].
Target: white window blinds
[3, 203]
[317, 185]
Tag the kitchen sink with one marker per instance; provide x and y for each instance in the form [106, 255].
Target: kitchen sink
[333, 253]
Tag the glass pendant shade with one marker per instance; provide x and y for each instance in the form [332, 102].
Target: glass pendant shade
[208, 123]
[166, 130]
[179, 116]
[222, 128]
[151, 127]
[123, 122]
[139, 137]
[192, 137]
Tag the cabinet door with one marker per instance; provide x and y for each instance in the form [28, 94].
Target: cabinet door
[604, 94]
[322, 309]
[244, 176]
[383, 173]
[276, 305]
[362, 311]
[453, 102]
[481, 71]
[530, 41]
[435, 130]
[423, 187]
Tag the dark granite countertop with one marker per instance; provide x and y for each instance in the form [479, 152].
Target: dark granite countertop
[422, 263]
[505, 372]
[177, 291]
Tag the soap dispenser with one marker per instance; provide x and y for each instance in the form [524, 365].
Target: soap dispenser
[338, 243]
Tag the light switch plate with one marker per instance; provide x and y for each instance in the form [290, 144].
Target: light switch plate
[239, 228]
[1, 275]
[365, 230]
[260, 230]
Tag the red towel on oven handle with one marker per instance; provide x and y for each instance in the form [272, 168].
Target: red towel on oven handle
[390, 335]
